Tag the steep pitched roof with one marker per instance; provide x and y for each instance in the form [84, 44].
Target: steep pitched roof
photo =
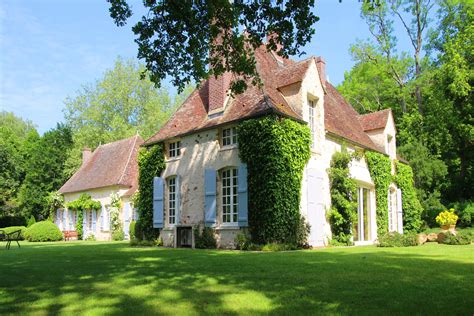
[341, 119]
[110, 164]
[374, 120]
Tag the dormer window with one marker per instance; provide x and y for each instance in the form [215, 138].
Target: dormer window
[174, 149]
[311, 121]
[229, 136]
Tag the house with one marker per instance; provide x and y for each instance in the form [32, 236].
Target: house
[204, 176]
[110, 169]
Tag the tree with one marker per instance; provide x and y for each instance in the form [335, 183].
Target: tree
[45, 159]
[119, 105]
[192, 40]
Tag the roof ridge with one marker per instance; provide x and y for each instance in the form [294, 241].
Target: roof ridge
[129, 158]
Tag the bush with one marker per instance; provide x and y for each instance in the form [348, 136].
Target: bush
[395, 239]
[118, 235]
[90, 237]
[205, 239]
[159, 242]
[31, 221]
[12, 229]
[278, 247]
[132, 230]
[141, 243]
[242, 242]
[459, 239]
[43, 231]
[465, 211]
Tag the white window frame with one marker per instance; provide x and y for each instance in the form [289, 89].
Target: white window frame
[229, 136]
[311, 121]
[229, 198]
[174, 149]
[171, 200]
[89, 220]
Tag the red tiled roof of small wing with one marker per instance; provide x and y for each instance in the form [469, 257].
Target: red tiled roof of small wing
[112, 164]
[192, 116]
[374, 120]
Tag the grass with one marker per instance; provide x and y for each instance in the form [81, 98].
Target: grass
[111, 278]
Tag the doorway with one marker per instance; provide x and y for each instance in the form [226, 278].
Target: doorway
[185, 237]
[362, 226]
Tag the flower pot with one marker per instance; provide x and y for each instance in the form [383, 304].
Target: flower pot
[451, 228]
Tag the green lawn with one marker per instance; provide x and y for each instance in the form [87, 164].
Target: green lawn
[112, 278]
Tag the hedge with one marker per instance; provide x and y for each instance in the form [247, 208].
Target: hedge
[43, 231]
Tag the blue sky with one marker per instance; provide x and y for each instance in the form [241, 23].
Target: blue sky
[50, 48]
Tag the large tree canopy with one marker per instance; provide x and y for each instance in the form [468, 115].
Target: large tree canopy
[191, 40]
[119, 105]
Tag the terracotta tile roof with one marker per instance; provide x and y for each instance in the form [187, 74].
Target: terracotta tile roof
[192, 116]
[374, 120]
[341, 119]
[110, 164]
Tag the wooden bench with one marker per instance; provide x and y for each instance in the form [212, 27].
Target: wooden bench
[13, 236]
[69, 234]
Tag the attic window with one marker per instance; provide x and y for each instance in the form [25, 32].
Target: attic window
[174, 149]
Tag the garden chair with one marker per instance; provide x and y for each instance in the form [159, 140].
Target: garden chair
[13, 236]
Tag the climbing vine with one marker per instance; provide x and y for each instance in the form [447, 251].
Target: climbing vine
[275, 151]
[412, 208]
[343, 198]
[380, 168]
[150, 163]
[84, 202]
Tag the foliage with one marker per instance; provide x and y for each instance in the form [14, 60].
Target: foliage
[205, 238]
[411, 206]
[118, 235]
[54, 200]
[278, 247]
[117, 106]
[83, 203]
[188, 37]
[79, 223]
[242, 241]
[460, 238]
[43, 231]
[44, 169]
[12, 229]
[447, 217]
[142, 243]
[395, 239]
[90, 237]
[132, 230]
[150, 163]
[465, 211]
[380, 168]
[159, 242]
[343, 188]
[274, 148]
[31, 221]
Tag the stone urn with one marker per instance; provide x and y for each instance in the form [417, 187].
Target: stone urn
[450, 228]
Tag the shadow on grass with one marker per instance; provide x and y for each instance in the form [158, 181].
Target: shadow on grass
[105, 278]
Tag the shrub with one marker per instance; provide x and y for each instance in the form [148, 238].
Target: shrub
[278, 247]
[395, 239]
[460, 238]
[31, 221]
[242, 242]
[90, 237]
[465, 212]
[205, 238]
[12, 229]
[118, 235]
[142, 243]
[447, 218]
[43, 231]
[132, 229]
[159, 242]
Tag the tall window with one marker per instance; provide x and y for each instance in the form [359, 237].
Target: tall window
[229, 136]
[229, 196]
[174, 149]
[172, 200]
[312, 127]
[362, 226]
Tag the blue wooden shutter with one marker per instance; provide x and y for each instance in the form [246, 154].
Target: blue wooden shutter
[210, 189]
[399, 211]
[158, 205]
[178, 200]
[242, 198]
[94, 220]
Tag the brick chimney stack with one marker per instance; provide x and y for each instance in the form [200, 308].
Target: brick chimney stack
[86, 155]
[321, 65]
[218, 91]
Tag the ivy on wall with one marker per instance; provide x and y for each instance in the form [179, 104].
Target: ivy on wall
[380, 168]
[83, 203]
[412, 208]
[151, 163]
[343, 198]
[275, 151]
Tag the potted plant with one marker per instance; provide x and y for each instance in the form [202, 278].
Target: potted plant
[447, 220]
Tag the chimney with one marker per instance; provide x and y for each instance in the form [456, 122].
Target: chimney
[218, 92]
[86, 155]
[321, 65]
